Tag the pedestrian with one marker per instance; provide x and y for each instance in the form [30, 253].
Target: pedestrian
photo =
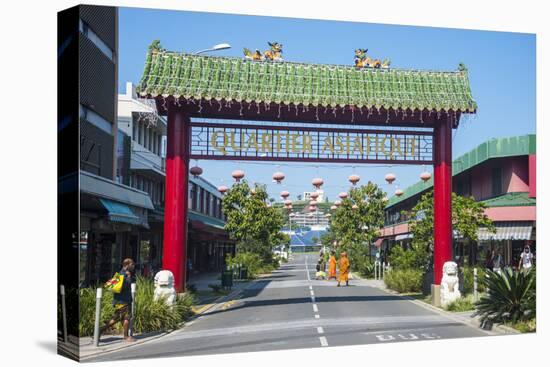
[489, 259]
[526, 258]
[332, 266]
[497, 261]
[343, 265]
[122, 301]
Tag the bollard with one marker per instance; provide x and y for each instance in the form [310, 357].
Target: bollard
[98, 297]
[131, 327]
[475, 284]
[64, 312]
[383, 269]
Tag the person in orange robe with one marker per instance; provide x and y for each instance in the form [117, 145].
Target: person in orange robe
[343, 265]
[332, 266]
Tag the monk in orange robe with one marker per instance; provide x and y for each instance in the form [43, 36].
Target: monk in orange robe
[332, 266]
[343, 265]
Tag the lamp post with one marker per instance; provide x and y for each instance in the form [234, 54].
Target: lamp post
[218, 47]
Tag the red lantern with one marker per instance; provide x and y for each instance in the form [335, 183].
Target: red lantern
[288, 202]
[196, 171]
[333, 207]
[317, 182]
[343, 195]
[337, 203]
[354, 179]
[425, 176]
[278, 176]
[390, 177]
[314, 195]
[398, 192]
[284, 194]
[312, 208]
[222, 189]
[237, 175]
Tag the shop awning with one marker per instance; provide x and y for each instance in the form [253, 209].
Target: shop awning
[507, 231]
[119, 212]
[400, 237]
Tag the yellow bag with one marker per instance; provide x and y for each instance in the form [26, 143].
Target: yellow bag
[115, 283]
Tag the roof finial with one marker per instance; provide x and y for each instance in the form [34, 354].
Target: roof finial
[462, 67]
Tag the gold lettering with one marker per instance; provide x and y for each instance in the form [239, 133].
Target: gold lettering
[396, 147]
[233, 145]
[307, 143]
[278, 147]
[287, 145]
[266, 142]
[358, 145]
[411, 143]
[382, 146]
[340, 145]
[214, 142]
[252, 142]
[328, 144]
[294, 143]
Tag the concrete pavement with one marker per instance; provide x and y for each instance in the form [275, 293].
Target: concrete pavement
[289, 310]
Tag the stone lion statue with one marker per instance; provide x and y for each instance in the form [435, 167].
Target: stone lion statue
[164, 287]
[449, 283]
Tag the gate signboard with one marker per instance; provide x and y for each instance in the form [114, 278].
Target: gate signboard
[259, 142]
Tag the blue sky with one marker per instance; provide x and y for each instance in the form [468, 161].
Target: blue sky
[501, 67]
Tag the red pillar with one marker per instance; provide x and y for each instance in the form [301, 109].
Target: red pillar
[443, 229]
[175, 209]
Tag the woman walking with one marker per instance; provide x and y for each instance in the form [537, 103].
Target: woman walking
[343, 265]
[332, 266]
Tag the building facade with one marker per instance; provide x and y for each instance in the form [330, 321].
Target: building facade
[501, 173]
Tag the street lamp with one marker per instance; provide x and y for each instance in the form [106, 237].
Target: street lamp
[218, 47]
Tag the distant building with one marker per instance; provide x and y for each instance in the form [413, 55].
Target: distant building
[307, 195]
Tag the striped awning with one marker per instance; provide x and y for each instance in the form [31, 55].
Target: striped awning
[507, 231]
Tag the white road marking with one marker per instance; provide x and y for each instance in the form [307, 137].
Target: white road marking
[307, 271]
[323, 340]
[320, 330]
[317, 316]
[315, 309]
[313, 299]
[311, 292]
[310, 288]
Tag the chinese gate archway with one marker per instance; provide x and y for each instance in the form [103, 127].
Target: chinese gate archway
[413, 111]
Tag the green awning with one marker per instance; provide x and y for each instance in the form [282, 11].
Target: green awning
[237, 79]
[119, 212]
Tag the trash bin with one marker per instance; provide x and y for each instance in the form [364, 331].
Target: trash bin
[227, 279]
[243, 273]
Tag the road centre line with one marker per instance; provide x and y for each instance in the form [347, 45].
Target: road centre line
[315, 309]
[323, 340]
[313, 299]
[317, 316]
[320, 330]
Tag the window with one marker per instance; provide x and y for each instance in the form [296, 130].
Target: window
[92, 36]
[96, 120]
[497, 181]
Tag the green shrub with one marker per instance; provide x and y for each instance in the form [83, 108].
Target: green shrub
[416, 257]
[468, 272]
[404, 280]
[251, 261]
[461, 304]
[364, 266]
[510, 296]
[150, 315]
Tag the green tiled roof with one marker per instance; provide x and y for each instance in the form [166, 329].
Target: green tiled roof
[511, 199]
[191, 76]
[494, 148]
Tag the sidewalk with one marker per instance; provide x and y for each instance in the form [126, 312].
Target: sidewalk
[206, 301]
[466, 317]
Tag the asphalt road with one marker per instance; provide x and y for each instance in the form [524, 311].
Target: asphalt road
[291, 310]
